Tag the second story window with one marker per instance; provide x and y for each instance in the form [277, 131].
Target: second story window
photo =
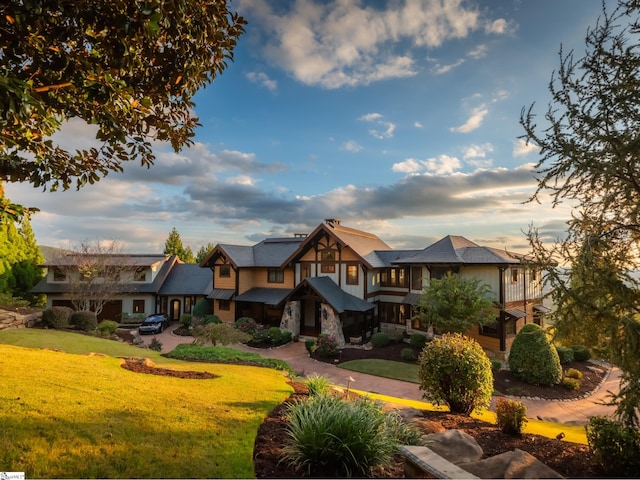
[59, 275]
[393, 277]
[275, 275]
[515, 272]
[225, 271]
[352, 274]
[416, 278]
[139, 275]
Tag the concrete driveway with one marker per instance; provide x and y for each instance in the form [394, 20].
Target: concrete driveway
[574, 412]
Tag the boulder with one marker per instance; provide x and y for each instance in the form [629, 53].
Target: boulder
[514, 464]
[427, 426]
[454, 445]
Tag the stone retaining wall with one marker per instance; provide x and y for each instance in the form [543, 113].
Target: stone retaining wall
[9, 319]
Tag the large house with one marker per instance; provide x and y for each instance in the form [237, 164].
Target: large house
[335, 280]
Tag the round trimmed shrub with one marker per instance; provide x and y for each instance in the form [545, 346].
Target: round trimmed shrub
[565, 354]
[56, 317]
[533, 359]
[202, 308]
[418, 340]
[286, 337]
[456, 371]
[83, 320]
[275, 335]
[496, 365]
[246, 325]
[211, 319]
[310, 345]
[408, 354]
[107, 327]
[380, 339]
[581, 353]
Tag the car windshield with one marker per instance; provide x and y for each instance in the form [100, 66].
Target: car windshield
[153, 319]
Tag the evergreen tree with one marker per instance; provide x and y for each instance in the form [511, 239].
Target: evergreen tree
[590, 158]
[173, 246]
[204, 251]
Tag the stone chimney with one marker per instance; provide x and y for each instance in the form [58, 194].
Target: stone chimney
[332, 222]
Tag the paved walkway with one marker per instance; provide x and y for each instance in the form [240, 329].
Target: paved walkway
[575, 412]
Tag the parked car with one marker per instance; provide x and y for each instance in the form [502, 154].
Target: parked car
[155, 323]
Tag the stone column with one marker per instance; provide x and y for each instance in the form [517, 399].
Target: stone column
[331, 325]
[290, 321]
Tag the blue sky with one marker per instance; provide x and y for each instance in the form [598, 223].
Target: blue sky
[398, 117]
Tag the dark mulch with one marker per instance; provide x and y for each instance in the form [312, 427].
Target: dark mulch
[143, 365]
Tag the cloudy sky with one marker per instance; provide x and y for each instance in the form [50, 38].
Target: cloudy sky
[398, 117]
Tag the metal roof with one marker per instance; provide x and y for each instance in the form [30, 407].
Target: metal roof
[134, 260]
[411, 298]
[271, 252]
[340, 300]
[221, 294]
[541, 309]
[516, 313]
[269, 296]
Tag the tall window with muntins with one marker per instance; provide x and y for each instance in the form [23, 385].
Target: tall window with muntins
[416, 278]
[225, 270]
[275, 275]
[515, 273]
[352, 274]
[393, 277]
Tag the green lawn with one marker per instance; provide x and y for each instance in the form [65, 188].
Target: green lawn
[406, 372]
[80, 415]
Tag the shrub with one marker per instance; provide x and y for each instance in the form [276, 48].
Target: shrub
[211, 319]
[614, 446]
[155, 344]
[511, 416]
[185, 319]
[246, 325]
[221, 333]
[418, 340]
[533, 359]
[56, 317]
[380, 339]
[396, 336]
[456, 371]
[496, 365]
[107, 327]
[202, 308]
[408, 354]
[581, 353]
[328, 436]
[317, 385]
[565, 354]
[260, 335]
[286, 337]
[326, 346]
[573, 373]
[83, 320]
[310, 345]
[571, 383]
[275, 335]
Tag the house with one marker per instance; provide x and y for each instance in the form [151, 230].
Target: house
[126, 284]
[335, 280]
[348, 283]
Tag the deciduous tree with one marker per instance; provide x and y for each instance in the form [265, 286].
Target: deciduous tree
[590, 157]
[130, 67]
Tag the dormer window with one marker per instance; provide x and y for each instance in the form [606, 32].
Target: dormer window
[225, 271]
[59, 275]
[139, 275]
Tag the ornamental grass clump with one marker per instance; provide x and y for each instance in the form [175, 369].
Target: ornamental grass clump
[317, 385]
[455, 371]
[328, 436]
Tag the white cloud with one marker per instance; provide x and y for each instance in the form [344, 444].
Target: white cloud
[417, 125]
[408, 166]
[440, 165]
[476, 151]
[522, 148]
[479, 52]
[473, 122]
[263, 79]
[387, 127]
[370, 117]
[348, 43]
[442, 69]
[352, 146]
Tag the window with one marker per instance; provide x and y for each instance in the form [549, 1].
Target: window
[225, 270]
[490, 330]
[352, 274]
[391, 312]
[138, 306]
[305, 271]
[510, 326]
[328, 268]
[328, 256]
[534, 275]
[59, 275]
[416, 278]
[139, 275]
[275, 275]
[393, 277]
[514, 275]
[224, 304]
[440, 272]
[187, 304]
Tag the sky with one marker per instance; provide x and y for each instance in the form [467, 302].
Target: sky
[400, 118]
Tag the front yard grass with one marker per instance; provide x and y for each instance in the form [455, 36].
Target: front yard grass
[406, 372]
[66, 415]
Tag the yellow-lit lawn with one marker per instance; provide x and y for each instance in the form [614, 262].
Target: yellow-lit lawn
[71, 415]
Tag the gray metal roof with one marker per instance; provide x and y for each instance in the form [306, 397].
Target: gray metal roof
[271, 252]
[134, 260]
[221, 294]
[541, 309]
[411, 298]
[269, 296]
[452, 250]
[340, 300]
[516, 313]
[187, 279]
[385, 258]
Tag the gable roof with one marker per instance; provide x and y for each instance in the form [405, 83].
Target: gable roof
[362, 243]
[270, 252]
[125, 260]
[187, 279]
[339, 300]
[453, 249]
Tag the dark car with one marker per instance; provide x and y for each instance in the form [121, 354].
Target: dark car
[155, 323]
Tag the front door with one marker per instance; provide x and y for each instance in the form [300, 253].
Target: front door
[174, 312]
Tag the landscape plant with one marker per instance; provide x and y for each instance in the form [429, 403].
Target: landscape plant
[565, 354]
[310, 345]
[317, 384]
[201, 308]
[327, 435]
[456, 371]
[581, 353]
[614, 446]
[408, 355]
[418, 340]
[380, 339]
[275, 335]
[326, 346]
[56, 317]
[83, 320]
[219, 333]
[511, 415]
[533, 359]
[246, 325]
[155, 344]
[107, 328]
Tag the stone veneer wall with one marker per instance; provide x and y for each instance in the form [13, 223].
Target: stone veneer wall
[9, 319]
[331, 324]
[290, 321]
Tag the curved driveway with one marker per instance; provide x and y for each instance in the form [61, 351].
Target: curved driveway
[576, 412]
